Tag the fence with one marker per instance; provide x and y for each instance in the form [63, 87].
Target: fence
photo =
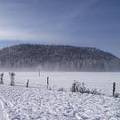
[102, 81]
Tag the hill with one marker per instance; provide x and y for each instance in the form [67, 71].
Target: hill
[51, 57]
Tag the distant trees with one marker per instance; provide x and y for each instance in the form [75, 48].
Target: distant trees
[58, 57]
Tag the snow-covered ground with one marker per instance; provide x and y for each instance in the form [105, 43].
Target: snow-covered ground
[20, 103]
[99, 80]
[38, 103]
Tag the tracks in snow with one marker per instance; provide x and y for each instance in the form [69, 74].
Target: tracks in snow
[3, 112]
[40, 104]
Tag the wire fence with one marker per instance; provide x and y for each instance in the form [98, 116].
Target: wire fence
[100, 81]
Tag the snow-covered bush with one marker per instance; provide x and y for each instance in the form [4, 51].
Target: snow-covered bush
[80, 87]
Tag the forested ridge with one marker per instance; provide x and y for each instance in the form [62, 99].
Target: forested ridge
[56, 57]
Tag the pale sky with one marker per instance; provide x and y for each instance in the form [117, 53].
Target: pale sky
[94, 23]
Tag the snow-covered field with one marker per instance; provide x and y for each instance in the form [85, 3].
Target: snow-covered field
[19, 103]
[38, 103]
[99, 80]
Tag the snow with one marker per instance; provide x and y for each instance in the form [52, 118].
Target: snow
[100, 80]
[22, 103]
[3, 113]
[39, 103]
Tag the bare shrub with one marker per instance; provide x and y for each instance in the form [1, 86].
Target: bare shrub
[80, 87]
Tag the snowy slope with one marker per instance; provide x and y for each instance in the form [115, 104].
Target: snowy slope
[42, 104]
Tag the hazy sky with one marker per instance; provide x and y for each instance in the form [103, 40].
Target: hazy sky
[94, 23]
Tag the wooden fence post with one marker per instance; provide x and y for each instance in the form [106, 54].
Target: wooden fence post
[114, 88]
[47, 82]
[1, 78]
[74, 86]
[39, 72]
[12, 77]
[27, 84]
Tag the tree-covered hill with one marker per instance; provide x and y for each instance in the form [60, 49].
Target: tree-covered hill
[52, 57]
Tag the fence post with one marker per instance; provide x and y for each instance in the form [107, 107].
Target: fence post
[1, 78]
[12, 75]
[39, 72]
[27, 84]
[47, 82]
[74, 86]
[114, 88]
